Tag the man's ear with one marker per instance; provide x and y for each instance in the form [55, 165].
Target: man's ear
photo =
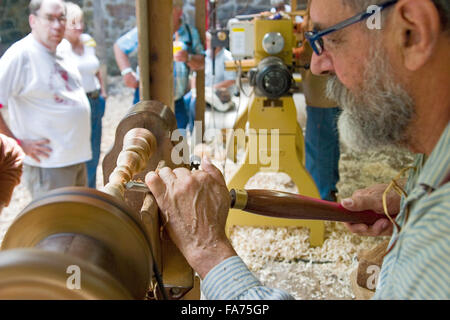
[416, 25]
[31, 20]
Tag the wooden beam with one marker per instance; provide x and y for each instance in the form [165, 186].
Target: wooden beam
[155, 27]
[142, 11]
[293, 5]
[200, 16]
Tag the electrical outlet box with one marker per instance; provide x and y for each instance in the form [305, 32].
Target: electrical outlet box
[242, 40]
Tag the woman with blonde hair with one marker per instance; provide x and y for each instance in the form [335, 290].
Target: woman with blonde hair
[81, 47]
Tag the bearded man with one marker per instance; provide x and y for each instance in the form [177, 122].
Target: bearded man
[392, 82]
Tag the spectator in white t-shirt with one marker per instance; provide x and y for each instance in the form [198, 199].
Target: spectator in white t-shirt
[80, 47]
[49, 113]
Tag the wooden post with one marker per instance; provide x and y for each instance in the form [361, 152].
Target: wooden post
[161, 51]
[200, 16]
[143, 52]
[293, 5]
[155, 27]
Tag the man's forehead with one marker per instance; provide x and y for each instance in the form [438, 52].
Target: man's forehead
[52, 6]
[325, 13]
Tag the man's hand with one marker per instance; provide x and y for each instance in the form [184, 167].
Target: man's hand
[104, 94]
[197, 62]
[130, 80]
[181, 56]
[194, 206]
[371, 198]
[36, 149]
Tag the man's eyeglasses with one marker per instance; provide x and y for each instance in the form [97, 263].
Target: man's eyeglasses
[315, 37]
[51, 19]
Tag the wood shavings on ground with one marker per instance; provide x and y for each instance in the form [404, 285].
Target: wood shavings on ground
[282, 258]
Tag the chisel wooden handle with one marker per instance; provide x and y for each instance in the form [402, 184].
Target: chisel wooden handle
[293, 206]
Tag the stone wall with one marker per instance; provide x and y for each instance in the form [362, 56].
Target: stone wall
[107, 20]
[13, 22]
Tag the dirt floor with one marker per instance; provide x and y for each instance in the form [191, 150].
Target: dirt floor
[280, 257]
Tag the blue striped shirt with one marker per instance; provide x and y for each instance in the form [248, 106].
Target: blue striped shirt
[129, 43]
[232, 280]
[418, 265]
[416, 268]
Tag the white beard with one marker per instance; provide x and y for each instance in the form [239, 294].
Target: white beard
[379, 114]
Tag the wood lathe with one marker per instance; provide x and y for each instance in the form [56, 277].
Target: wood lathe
[81, 243]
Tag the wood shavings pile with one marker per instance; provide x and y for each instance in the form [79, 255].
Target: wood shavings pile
[282, 258]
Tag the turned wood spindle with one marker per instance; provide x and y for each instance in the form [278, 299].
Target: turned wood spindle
[138, 146]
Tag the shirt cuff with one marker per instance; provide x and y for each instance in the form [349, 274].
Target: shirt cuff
[228, 280]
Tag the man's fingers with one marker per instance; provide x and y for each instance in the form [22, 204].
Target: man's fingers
[209, 168]
[43, 141]
[39, 153]
[130, 80]
[42, 149]
[358, 228]
[360, 203]
[156, 185]
[181, 173]
[35, 157]
[167, 175]
[380, 226]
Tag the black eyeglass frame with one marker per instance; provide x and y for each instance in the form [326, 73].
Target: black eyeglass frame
[315, 37]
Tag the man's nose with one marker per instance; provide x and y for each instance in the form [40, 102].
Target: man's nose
[321, 65]
[55, 23]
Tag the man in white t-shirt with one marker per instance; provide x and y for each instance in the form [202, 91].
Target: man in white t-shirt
[48, 109]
